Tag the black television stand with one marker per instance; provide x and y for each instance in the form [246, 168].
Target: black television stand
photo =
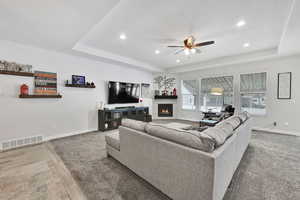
[111, 119]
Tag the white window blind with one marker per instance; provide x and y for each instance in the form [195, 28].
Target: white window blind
[210, 102]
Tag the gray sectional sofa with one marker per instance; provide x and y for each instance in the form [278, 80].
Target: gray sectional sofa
[183, 164]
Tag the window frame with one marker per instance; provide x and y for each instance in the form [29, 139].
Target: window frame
[265, 94]
[196, 97]
[216, 76]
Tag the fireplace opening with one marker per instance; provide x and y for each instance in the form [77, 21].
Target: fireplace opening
[165, 110]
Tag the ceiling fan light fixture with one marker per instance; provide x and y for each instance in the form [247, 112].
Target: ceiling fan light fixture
[157, 51]
[187, 52]
[193, 51]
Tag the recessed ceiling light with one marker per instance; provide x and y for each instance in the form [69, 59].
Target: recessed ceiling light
[123, 36]
[241, 23]
[178, 61]
[246, 45]
[157, 52]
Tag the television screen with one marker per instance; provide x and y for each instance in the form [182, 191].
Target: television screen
[119, 92]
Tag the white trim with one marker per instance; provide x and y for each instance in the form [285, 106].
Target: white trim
[276, 131]
[49, 138]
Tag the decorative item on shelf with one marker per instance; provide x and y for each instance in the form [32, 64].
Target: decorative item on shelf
[171, 93]
[141, 102]
[174, 92]
[78, 80]
[106, 125]
[87, 83]
[100, 105]
[14, 67]
[164, 83]
[45, 83]
[156, 92]
[92, 84]
[24, 89]
[2, 67]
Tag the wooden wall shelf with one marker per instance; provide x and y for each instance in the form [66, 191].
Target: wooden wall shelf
[80, 86]
[165, 97]
[39, 96]
[17, 73]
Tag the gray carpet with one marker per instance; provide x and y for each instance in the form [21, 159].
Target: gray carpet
[269, 170]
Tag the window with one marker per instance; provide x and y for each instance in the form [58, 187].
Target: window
[209, 101]
[253, 93]
[189, 93]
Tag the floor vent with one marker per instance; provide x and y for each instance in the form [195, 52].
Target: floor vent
[12, 144]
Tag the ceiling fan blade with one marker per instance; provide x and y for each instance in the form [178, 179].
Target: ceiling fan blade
[178, 51]
[204, 43]
[176, 46]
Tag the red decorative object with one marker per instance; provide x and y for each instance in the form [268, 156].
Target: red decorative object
[24, 89]
[174, 92]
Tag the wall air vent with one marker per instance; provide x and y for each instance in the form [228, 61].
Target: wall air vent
[12, 144]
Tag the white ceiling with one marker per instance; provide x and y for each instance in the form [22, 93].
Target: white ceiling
[92, 29]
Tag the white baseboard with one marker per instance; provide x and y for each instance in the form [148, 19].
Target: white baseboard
[276, 131]
[49, 138]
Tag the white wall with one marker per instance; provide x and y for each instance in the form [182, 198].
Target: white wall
[75, 113]
[281, 111]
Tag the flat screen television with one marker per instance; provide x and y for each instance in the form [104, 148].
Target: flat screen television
[119, 92]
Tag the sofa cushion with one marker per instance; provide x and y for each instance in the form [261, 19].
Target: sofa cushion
[134, 124]
[234, 121]
[220, 133]
[176, 125]
[113, 140]
[191, 138]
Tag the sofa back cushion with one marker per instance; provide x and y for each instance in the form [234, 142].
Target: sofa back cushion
[234, 121]
[220, 133]
[134, 124]
[191, 138]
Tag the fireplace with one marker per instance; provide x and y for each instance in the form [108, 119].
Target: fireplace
[165, 110]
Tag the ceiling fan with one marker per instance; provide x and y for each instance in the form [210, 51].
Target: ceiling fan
[190, 46]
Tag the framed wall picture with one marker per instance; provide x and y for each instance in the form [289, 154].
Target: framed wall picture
[284, 89]
[45, 83]
[78, 80]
